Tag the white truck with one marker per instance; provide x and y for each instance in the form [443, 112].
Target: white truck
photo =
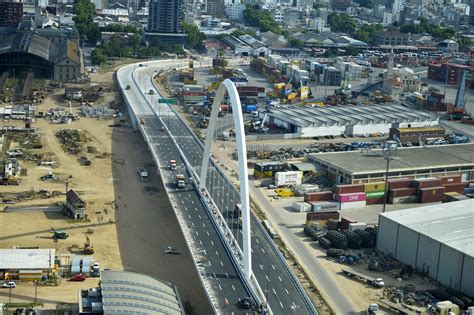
[172, 165]
[180, 183]
[143, 173]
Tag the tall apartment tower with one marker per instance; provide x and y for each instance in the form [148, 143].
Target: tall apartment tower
[164, 16]
[215, 8]
[471, 13]
[11, 13]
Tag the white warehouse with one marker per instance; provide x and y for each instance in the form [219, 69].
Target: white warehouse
[436, 239]
[349, 120]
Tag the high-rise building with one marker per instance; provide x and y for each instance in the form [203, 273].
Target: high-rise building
[235, 10]
[164, 16]
[11, 13]
[471, 13]
[215, 8]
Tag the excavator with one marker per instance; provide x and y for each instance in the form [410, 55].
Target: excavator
[88, 247]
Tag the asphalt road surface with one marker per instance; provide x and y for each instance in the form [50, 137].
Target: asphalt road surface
[217, 271]
[284, 292]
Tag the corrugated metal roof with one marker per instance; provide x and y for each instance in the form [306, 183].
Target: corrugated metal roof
[449, 223]
[27, 258]
[305, 167]
[343, 115]
[126, 292]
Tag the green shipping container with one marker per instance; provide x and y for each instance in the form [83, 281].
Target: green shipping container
[375, 195]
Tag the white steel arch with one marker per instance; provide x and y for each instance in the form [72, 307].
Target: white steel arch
[237, 115]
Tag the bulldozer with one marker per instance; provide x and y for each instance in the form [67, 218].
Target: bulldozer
[88, 247]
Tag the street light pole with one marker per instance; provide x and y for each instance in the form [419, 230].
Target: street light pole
[389, 151]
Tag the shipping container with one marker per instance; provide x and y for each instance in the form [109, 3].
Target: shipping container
[319, 206]
[302, 206]
[375, 201]
[357, 226]
[322, 216]
[400, 200]
[353, 197]
[453, 196]
[427, 182]
[344, 224]
[456, 187]
[347, 189]
[353, 205]
[288, 178]
[431, 194]
[374, 187]
[375, 194]
[449, 179]
[402, 192]
[319, 196]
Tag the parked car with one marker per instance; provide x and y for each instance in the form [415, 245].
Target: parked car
[9, 285]
[78, 277]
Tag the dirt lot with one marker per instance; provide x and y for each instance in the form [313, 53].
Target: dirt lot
[122, 239]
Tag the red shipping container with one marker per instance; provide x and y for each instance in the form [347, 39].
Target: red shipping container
[319, 196]
[376, 201]
[402, 192]
[450, 179]
[427, 182]
[456, 187]
[431, 194]
[348, 189]
[396, 183]
[351, 197]
[322, 216]
[344, 224]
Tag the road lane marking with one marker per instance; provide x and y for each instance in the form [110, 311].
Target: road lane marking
[227, 275]
[280, 279]
[233, 288]
[212, 243]
[263, 250]
[273, 267]
[287, 291]
[214, 274]
[261, 267]
[217, 253]
[222, 264]
[281, 305]
[274, 291]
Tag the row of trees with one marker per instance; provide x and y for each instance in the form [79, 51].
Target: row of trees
[262, 19]
[341, 22]
[89, 31]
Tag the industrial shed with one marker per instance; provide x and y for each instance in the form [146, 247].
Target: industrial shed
[356, 167]
[348, 120]
[124, 292]
[437, 240]
[26, 264]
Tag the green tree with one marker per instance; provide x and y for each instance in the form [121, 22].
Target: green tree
[98, 57]
[365, 33]
[262, 19]
[295, 42]
[84, 12]
[465, 44]
[195, 37]
[341, 23]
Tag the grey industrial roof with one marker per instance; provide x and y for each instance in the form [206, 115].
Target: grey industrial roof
[126, 292]
[407, 159]
[450, 223]
[27, 258]
[304, 167]
[28, 42]
[349, 115]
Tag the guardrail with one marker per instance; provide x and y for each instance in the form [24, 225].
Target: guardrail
[275, 249]
[181, 223]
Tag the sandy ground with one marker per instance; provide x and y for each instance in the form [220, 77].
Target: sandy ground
[132, 238]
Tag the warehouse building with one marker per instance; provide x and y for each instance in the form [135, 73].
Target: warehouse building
[26, 264]
[348, 120]
[437, 240]
[354, 167]
[124, 292]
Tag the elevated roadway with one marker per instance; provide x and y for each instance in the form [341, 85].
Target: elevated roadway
[279, 284]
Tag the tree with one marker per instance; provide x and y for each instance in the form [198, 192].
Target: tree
[262, 19]
[89, 31]
[195, 38]
[425, 27]
[295, 42]
[365, 33]
[465, 44]
[97, 56]
[341, 23]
